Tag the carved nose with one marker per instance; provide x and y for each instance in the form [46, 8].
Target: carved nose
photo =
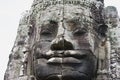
[61, 44]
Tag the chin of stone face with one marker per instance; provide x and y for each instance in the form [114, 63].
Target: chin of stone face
[61, 40]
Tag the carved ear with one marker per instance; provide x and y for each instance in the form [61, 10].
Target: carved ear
[102, 30]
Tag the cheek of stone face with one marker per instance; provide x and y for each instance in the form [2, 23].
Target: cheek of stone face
[83, 41]
[45, 46]
[41, 49]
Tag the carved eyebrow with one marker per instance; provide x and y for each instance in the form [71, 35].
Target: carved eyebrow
[49, 25]
[73, 20]
[72, 23]
[50, 22]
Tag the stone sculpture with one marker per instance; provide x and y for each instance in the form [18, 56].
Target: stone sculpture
[66, 40]
[64, 48]
[112, 20]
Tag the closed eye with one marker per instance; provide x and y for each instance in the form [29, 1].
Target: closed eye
[79, 32]
[46, 33]
[49, 29]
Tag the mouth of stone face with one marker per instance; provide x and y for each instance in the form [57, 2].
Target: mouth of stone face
[65, 65]
[69, 56]
[75, 76]
[63, 60]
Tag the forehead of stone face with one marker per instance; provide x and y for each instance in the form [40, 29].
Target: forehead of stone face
[77, 16]
[76, 11]
[66, 12]
[51, 13]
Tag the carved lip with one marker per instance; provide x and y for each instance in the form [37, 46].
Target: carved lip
[69, 56]
[66, 53]
[70, 76]
[63, 60]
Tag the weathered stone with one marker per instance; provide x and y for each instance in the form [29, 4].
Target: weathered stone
[65, 40]
[112, 21]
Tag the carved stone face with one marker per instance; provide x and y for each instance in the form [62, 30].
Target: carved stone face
[65, 50]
